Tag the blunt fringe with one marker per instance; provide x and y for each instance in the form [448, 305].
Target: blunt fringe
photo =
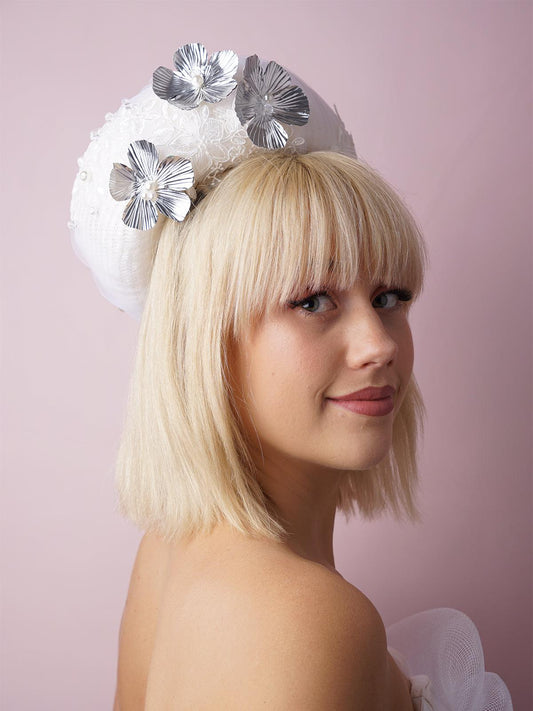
[275, 225]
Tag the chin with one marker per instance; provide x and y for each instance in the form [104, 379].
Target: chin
[360, 460]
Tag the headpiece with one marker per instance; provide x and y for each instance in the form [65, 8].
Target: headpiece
[163, 150]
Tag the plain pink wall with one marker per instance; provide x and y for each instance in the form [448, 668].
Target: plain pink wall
[438, 97]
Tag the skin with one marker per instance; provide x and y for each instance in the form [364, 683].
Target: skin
[224, 620]
[286, 369]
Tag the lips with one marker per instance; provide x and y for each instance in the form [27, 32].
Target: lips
[369, 401]
[368, 394]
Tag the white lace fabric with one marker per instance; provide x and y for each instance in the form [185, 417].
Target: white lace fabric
[440, 652]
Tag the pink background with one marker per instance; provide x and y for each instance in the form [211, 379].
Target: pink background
[438, 97]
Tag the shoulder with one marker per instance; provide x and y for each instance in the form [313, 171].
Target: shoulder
[324, 645]
[147, 578]
[139, 621]
[260, 627]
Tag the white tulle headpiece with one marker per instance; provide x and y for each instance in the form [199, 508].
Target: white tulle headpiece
[182, 131]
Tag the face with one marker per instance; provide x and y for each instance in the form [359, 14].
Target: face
[300, 370]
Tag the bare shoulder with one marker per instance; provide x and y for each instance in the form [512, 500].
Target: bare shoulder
[139, 622]
[260, 627]
[146, 582]
[323, 645]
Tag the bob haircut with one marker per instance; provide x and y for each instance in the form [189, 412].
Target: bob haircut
[274, 226]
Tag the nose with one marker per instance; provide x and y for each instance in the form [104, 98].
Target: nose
[368, 343]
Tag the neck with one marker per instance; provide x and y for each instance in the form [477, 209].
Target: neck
[306, 502]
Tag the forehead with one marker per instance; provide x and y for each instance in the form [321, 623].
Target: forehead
[336, 263]
[313, 228]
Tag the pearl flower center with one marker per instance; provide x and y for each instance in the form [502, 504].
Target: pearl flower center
[197, 79]
[148, 190]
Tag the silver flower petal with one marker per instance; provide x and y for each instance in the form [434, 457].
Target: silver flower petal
[224, 62]
[246, 101]
[196, 78]
[121, 182]
[253, 74]
[140, 214]
[144, 159]
[218, 75]
[174, 205]
[291, 106]
[264, 99]
[175, 174]
[151, 186]
[189, 59]
[275, 78]
[267, 133]
[174, 89]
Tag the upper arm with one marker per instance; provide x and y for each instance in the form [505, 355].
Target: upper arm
[329, 652]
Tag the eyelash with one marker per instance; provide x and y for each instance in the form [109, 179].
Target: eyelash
[403, 295]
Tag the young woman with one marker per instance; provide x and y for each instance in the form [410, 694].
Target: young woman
[273, 387]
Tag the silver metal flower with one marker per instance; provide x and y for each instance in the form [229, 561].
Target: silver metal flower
[151, 186]
[266, 99]
[196, 78]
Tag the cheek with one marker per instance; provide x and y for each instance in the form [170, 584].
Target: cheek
[279, 373]
[273, 367]
[405, 358]
[407, 349]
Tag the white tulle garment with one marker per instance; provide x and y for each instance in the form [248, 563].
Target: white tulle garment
[440, 651]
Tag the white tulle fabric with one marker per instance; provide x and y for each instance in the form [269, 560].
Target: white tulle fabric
[440, 651]
[211, 137]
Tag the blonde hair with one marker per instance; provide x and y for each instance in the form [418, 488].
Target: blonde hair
[276, 225]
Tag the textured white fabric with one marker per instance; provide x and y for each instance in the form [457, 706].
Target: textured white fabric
[440, 651]
[210, 136]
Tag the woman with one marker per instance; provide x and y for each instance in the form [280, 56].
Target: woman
[273, 386]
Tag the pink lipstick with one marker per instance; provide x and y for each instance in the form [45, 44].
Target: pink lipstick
[369, 401]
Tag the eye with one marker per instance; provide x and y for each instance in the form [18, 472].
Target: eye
[390, 299]
[315, 303]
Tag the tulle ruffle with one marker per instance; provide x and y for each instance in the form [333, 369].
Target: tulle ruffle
[440, 651]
